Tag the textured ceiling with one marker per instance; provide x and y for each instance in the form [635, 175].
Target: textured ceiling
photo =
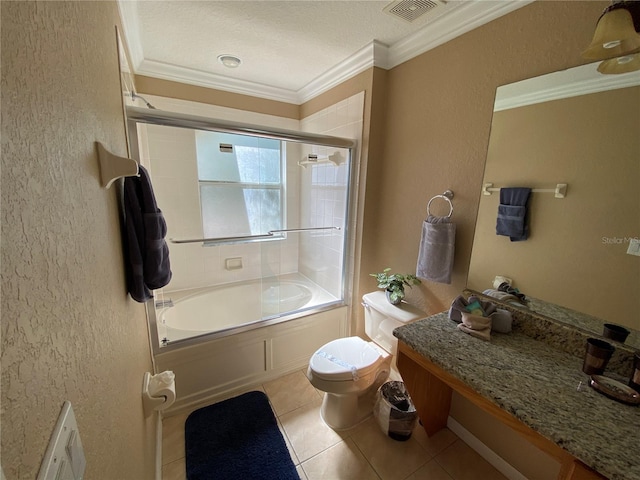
[283, 45]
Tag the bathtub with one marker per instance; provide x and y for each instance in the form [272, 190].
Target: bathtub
[228, 338]
[226, 308]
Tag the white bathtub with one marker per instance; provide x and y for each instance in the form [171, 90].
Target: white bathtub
[221, 340]
[227, 307]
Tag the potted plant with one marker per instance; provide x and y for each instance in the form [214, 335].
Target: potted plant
[394, 284]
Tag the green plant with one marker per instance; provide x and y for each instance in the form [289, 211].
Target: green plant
[394, 283]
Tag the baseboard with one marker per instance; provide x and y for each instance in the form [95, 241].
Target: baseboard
[485, 452]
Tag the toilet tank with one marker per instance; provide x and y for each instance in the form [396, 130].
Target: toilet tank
[381, 318]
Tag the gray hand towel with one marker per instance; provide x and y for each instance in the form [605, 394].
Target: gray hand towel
[437, 248]
[513, 213]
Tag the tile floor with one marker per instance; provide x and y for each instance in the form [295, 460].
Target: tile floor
[361, 453]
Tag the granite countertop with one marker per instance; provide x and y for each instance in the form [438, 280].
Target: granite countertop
[537, 384]
[587, 323]
[567, 330]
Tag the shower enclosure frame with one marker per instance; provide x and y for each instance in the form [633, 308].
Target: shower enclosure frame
[136, 115]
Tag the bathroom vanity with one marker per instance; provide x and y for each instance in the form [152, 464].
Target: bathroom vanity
[531, 382]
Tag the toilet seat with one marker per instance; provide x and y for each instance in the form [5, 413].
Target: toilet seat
[345, 359]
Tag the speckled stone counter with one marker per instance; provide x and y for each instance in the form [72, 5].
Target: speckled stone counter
[587, 323]
[538, 385]
[567, 330]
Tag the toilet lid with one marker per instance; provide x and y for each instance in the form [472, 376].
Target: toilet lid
[340, 359]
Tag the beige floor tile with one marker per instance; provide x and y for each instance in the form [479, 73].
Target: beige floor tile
[292, 452]
[237, 393]
[321, 453]
[173, 438]
[290, 392]
[319, 392]
[174, 471]
[435, 443]
[463, 463]
[301, 474]
[343, 461]
[306, 431]
[391, 459]
[430, 471]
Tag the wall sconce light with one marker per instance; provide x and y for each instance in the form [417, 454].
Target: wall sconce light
[616, 40]
[623, 64]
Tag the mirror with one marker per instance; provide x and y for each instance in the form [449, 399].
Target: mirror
[580, 128]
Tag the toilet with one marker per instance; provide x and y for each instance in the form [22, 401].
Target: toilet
[350, 370]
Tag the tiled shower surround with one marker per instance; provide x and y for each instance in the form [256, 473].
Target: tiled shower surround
[315, 197]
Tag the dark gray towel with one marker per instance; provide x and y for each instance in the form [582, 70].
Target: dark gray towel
[513, 213]
[147, 252]
[437, 248]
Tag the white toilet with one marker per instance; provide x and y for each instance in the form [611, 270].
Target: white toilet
[350, 370]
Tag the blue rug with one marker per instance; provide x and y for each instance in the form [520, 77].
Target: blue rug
[237, 439]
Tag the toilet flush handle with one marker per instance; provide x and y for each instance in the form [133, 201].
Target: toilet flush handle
[365, 305]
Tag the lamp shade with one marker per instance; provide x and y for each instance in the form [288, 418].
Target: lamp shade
[624, 64]
[615, 35]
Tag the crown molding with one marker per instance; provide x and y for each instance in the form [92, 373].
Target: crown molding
[165, 71]
[374, 54]
[462, 19]
[573, 82]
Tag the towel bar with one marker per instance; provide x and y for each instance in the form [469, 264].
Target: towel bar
[560, 191]
[269, 234]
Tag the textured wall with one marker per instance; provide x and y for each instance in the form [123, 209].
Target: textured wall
[437, 122]
[436, 132]
[69, 331]
[426, 129]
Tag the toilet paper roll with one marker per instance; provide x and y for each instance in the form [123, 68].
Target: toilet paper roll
[163, 385]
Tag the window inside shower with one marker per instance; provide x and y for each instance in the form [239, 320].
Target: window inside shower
[241, 183]
[257, 228]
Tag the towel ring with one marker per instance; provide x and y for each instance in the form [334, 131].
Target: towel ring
[448, 195]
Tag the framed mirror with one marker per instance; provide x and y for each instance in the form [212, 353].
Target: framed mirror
[580, 128]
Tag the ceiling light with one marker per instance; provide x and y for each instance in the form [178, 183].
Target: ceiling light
[229, 61]
[615, 33]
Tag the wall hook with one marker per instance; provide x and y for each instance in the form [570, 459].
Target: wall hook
[113, 167]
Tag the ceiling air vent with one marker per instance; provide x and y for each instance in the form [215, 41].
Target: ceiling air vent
[410, 10]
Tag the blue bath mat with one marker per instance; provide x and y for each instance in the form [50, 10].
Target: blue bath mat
[237, 439]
